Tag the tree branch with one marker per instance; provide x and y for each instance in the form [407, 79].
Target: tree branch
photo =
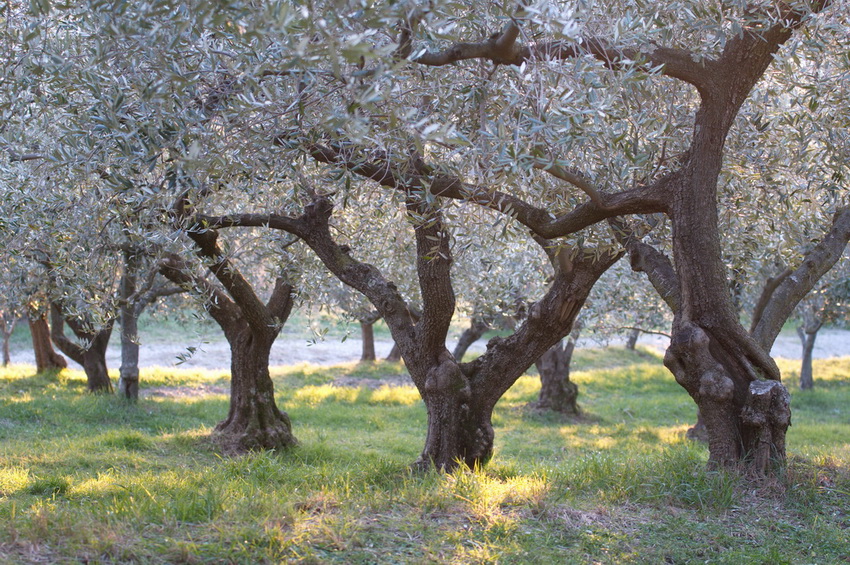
[502, 48]
[574, 179]
[222, 309]
[644, 258]
[433, 265]
[770, 286]
[643, 199]
[206, 240]
[794, 287]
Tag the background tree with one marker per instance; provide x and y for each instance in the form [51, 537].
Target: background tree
[829, 302]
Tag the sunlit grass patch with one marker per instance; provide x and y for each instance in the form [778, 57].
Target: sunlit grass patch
[12, 480]
[142, 482]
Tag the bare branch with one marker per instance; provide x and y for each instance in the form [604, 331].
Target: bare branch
[770, 286]
[646, 259]
[645, 331]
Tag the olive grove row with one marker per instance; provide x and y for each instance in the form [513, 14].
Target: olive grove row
[501, 156]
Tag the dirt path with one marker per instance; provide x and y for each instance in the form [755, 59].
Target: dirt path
[214, 353]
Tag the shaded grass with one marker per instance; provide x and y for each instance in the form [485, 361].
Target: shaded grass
[91, 478]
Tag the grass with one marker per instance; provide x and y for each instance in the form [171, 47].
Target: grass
[91, 479]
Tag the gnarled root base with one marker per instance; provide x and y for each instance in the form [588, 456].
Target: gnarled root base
[249, 432]
[457, 434]
[745, 419]
[765, 420]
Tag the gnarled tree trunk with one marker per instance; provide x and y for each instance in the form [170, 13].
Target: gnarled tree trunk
[92, 357]
[460, 397]
[557, 392]
[251, 327]
[46, 358]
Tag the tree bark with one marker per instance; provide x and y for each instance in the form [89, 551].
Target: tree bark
[250, 327]
[368, 337]
[128, 380]
[557, 392]
[477, 328]
[92, 357]
[46, 358]
[394, 356]
[808, 332]
[631, 343]
[253, 421]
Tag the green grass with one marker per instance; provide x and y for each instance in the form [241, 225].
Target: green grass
[92, 479]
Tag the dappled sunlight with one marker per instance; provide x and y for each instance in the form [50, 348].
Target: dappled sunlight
[395, 395]
[12, 480]
[555, 482]
[491, 502]
[385, 395]
[314, 395]
[104, 485]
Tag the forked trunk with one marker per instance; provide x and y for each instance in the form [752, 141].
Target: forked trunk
[46, 358]
[254, 420]
[368, 334]
[90, 353]
[557, 392]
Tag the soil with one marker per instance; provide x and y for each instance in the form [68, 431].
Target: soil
[213, 353]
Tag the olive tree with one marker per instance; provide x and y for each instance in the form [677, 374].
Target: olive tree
[554, 117]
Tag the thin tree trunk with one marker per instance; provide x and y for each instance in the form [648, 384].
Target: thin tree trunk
[92, 358]
[368, 337]
[7, 327]
[470, 335]
[128, 380]
[631, 343]
[46, 358]
[808, 333]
